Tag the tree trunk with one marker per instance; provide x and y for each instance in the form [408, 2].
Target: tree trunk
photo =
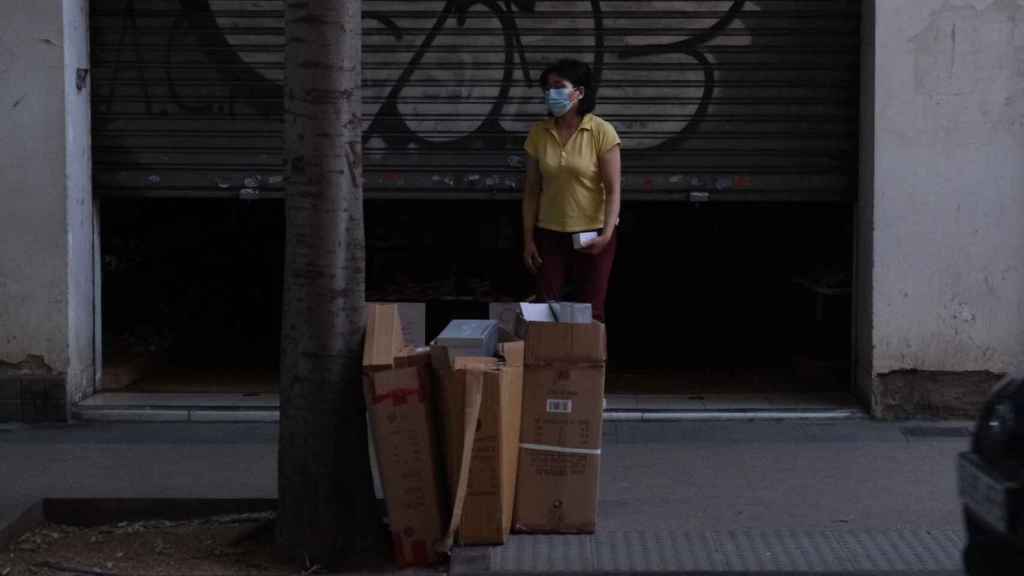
[327, 509]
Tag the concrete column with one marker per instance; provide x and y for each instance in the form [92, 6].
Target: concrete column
[46, 215]
[944, 204]
[864, 249]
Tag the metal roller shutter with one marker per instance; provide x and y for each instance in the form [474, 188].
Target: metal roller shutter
[737, 100]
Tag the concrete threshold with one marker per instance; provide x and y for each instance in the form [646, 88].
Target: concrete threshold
[147, 414]
[182, 400]
[725, 407]
[204, 407]
[178, 407]
[737, 415]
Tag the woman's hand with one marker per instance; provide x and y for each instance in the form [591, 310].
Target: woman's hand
[531, 256]
[598, 244]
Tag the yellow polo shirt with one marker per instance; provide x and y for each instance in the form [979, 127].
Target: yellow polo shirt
[572, 191]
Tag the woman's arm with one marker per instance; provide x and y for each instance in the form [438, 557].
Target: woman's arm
[611, 174]
[531, 204]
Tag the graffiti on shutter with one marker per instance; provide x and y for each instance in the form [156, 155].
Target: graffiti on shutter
[722, 99]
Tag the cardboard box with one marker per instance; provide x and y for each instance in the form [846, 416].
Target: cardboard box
[397, 386]
[573, 312]
[483, 485]
[384, 341]
[413, 319]
[505, 313]
[378, 489]
[560, 451]
[414, 323]
[536, 312]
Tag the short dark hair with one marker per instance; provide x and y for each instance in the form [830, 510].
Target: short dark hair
[578, 73]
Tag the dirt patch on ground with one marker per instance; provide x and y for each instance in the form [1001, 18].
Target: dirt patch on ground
[235, 544]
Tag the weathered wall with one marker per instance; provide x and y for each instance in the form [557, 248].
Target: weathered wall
[948, 273]
[46, 294]
[864, 214]
[79, 200]
[33, 238]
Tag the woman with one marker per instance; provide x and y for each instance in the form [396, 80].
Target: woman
[573, 184]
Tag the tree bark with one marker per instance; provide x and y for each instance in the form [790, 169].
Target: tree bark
[327, 509]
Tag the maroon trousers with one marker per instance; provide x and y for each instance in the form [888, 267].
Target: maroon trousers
[563, 266]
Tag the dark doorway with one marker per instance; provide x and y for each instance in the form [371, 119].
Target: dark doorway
[731, 298]
[705, 298]
[191, 294]
[728, 298]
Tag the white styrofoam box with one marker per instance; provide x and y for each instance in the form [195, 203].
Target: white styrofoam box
[469, 338]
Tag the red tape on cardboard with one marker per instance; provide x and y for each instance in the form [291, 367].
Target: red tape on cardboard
[400, 396]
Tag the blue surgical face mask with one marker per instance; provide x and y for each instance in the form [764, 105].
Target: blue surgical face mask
[559, 101]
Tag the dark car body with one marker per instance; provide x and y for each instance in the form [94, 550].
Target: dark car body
[990, 478]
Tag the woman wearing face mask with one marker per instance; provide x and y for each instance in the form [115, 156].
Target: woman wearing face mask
[573, 184]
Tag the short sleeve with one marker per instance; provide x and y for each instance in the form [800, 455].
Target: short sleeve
[607, 137]
[533, 141]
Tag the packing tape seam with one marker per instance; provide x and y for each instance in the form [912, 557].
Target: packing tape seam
[561, 449]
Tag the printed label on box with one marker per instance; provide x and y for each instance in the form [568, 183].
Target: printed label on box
[559, 406]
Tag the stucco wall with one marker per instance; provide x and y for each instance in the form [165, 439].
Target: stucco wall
[33, 232]
[864, 245]
[46, 217]
[948, 186]
[78, 186]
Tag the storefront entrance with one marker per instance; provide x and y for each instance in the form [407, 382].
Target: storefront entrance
[739, 122]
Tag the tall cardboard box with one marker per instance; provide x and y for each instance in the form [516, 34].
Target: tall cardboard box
[560, 453]
[413, 321]
[397, 386]
[486, 506]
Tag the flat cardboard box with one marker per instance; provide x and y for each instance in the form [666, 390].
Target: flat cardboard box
[560, 451]
[488, 493]
[397, 387]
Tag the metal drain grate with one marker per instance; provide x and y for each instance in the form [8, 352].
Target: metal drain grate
[847, 552]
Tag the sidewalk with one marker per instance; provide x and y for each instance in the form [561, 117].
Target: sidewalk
[106, 460]
[854, 497]
[850, 495]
